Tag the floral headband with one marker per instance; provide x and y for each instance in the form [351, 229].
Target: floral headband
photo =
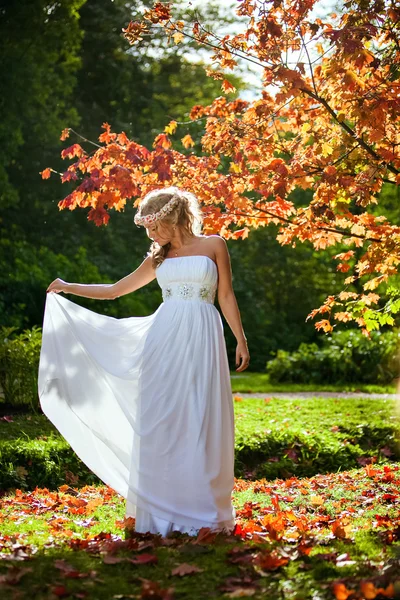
[149, 219]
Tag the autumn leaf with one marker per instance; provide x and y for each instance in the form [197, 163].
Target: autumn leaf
[74, 150]
[227, 87]
[187, 141]
[144, 559]
[270, 561]
[324, 325]
[46, 173]
[163, 141]
[171, 127]
[178, 37]
[341, 528]
[65, 134]
[186, 569]
[341, 592]
[317, 500]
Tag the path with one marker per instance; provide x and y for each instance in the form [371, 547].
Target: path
[316, 395]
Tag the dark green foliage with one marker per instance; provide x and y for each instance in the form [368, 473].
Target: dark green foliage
[276, 287]
[344, 357]
[19, 362]
[39, 47]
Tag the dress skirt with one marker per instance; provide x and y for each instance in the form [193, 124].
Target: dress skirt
[146, 402]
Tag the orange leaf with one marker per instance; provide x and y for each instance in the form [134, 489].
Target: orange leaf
[45, 174]
[325, 325]
[317, 500]
[368, 589]
[341, 592]
[270, 561]
[227, 87]
[341, 528]
[65, 134]
[163, 141]
[187, 141]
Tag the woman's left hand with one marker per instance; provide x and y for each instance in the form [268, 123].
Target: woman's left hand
[242, 356]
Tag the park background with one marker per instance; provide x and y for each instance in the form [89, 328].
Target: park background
[75, 69]
[66, 64]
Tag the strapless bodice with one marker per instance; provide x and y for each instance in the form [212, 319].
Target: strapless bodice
[188, 278]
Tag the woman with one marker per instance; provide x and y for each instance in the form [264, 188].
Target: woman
[146, 402]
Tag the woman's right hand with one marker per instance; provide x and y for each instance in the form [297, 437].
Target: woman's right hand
[58, 285]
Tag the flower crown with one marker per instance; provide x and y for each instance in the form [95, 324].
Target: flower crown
[149, 219]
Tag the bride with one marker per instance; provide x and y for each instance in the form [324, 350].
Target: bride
[146, 402]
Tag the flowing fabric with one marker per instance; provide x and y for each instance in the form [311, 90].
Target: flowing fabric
[146, 402]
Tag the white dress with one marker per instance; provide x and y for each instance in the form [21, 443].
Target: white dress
[146, 402]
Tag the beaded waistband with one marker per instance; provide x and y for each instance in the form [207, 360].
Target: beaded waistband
[189, 291]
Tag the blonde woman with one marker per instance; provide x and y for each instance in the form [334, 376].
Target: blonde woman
[146, 402]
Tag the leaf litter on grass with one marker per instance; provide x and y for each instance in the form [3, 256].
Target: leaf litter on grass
[335, 534]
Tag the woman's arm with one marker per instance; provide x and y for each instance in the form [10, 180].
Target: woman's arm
[108, 291]
[228, 303]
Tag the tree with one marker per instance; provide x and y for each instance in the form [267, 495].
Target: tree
[332, 128]
[69, 64]
[39, 46]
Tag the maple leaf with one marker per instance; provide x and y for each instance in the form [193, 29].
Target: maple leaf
[144, 559]
[134, 32]
[171, 128]
[227, 87]
[163, 141]
[341, 528]
[241, 233]
[270, 561]
[178, 37]
[341, 592]
[186, 569]
[74, 150]
[187, 141]
[324, 325]
[45, 173]
[65, 134]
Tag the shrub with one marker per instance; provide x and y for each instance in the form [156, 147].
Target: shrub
[344, 357]
[19, 364]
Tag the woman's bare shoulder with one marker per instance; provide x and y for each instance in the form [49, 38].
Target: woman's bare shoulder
[214, 246]
[214, 241]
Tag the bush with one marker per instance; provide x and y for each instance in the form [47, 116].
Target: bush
[344, 357]
[19, 364]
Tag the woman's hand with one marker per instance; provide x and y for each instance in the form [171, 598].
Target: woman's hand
[242, 355]
[58, 285]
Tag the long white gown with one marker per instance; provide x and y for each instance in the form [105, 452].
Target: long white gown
[146, 402]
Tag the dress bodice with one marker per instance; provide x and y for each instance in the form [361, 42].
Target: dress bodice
[192, 278]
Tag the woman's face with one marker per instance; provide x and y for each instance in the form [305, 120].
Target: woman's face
[158, 233]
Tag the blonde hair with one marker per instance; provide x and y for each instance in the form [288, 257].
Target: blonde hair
[186, 214]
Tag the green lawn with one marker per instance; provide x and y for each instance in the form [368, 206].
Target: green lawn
[332, 534]
[273, 438]
[248, 382]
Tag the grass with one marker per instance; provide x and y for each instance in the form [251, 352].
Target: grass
[332, 534]
[273, 438]
[298, 538]
[285, 437]
[248, 382]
